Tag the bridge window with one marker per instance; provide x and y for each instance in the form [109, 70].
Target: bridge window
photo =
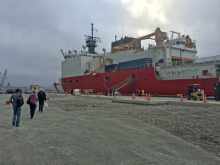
[107, 79]
[76, 81]
[64, 82]
[183, 43]
[70, 81]
[177, 42]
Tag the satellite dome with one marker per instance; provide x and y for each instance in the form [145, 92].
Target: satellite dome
[84, 46]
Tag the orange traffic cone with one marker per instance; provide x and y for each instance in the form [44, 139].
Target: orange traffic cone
[205, 100]
[98, 94]
[80, 93]
[88, 94]
[133, 96]
[146, 96]
[181, 99]
[114, 95]
[55, 93]
[149, 97]
[66, 93]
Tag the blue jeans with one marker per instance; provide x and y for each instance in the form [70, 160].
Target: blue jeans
[17, 114]
[32, 109]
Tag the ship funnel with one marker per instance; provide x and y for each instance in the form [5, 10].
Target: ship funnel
[115, 38]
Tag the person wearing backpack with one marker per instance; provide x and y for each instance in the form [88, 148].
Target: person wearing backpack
[17, 101]
[33, 99]
[42, 97]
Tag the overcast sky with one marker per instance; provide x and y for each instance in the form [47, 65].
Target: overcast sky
[33, 32]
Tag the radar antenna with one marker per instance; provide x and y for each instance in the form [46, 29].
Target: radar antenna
[171, 38]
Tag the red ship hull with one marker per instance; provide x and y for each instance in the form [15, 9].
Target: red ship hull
[144, 80]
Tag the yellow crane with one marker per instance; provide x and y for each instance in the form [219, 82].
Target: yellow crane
[102, 65]
[159, 38]
[62, 53]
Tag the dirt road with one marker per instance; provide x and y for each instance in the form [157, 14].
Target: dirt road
[76, 130]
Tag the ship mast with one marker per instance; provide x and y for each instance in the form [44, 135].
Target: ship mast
[92, 32]
[91, 42]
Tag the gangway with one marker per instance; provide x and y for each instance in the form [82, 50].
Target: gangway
[160, 73]
[121, 84]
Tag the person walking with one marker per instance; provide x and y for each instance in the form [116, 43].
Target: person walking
[32, 101]
[42, 97]
[17, 101]
[110, 92]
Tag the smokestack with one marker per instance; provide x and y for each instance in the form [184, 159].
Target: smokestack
[115, 38]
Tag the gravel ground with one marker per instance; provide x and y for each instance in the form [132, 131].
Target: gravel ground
[80, 130]
[199, 126]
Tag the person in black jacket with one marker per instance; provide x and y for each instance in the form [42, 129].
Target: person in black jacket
[42, 97]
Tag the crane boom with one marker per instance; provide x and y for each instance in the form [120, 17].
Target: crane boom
[144, 37]
[62, 53]
[4, 77]
[102, 65]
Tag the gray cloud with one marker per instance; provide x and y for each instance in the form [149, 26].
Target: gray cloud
[33, 32]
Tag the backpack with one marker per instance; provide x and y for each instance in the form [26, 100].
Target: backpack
[20, 101]
[40, 95]
[32, 99]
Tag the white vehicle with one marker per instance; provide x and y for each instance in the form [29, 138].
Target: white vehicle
[1, 90]
[76, 92]
[117, 93]
[27, 91]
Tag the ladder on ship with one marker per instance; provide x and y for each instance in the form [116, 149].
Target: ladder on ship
[121, 84]
[161, 76]
[102, 65]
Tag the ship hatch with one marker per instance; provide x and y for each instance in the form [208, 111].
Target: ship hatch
[132, 77]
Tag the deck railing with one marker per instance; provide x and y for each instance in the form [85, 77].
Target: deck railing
[128, 68]
[208, 59]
